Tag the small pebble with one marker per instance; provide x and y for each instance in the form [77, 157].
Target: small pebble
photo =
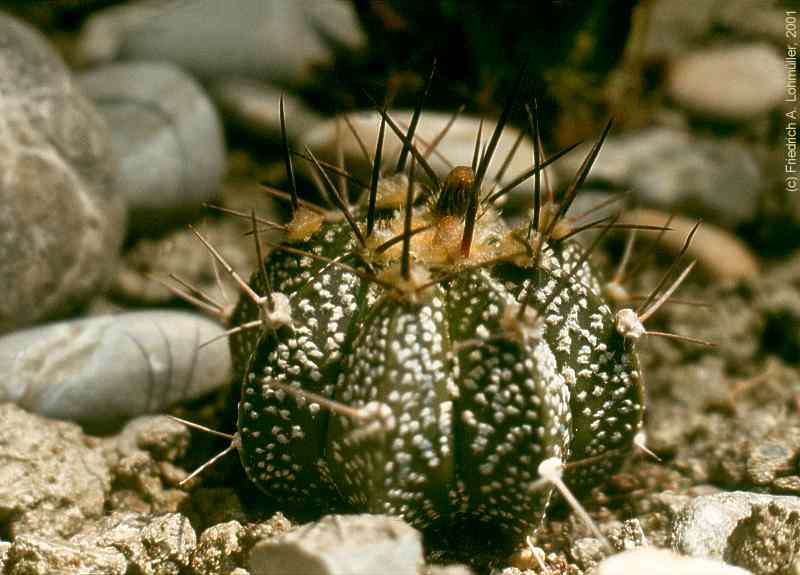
[104, 370]
[157, 545]
[342, 545]
[588, 552]
[52, 479]
[121, 531]
[144, 485]
[771, 459]
[704, 526]
[270, 40]
[219, 549]
[159, 435]
[731, 83]
[166, 137]
[650, 561]
[169, 541]
[275, 526]
[788, 483]
[61, 224]
[629, 535]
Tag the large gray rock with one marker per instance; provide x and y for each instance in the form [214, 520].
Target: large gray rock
[61, 224]
[103, 370]
[342, 545]
[166, 137]
[52, 478]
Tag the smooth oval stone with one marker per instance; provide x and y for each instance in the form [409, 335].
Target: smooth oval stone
[103, 370]
[61, 223]
[457, 146]
[728, 82]
[272, 40]
[167, 139]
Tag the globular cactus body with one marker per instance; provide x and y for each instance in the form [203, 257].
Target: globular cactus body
[466, 369]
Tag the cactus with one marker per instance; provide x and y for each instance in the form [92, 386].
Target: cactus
[418, 356]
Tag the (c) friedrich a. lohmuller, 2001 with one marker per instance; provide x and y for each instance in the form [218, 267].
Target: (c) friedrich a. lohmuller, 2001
[414, 354]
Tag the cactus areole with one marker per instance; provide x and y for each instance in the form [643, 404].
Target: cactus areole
[455, 371]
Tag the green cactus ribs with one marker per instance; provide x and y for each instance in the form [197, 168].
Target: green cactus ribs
[416, 355]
